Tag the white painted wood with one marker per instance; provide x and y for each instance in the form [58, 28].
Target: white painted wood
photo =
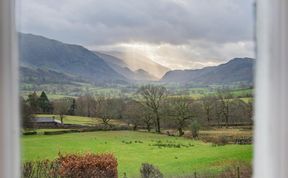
[271, 109]
[9, 118]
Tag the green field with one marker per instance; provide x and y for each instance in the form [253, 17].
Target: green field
[56, 91]
[242, 92]
[247, 99]
[79, 120]
[134, 148]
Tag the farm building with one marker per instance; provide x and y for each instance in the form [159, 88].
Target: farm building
[45, 122]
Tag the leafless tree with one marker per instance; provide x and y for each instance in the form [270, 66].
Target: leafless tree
[238, 111]
[133, 113]
[180, 109]
[250, 109]
[61, 107]
[108, 108]
[152, 97]
[207, 104]
[217, 111]
[86, 105]
[148, 119]
[225, 97]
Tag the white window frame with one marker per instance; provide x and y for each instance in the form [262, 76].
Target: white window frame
[271, 90]
[9, 107]
[271, 112]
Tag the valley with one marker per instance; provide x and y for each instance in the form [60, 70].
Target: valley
[64, 69]
[183, 122]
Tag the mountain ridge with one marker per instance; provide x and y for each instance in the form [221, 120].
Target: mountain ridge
[41, 52]
[61, 62]
[235, 70]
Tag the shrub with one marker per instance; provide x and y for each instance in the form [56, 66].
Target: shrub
[236, 171]
[60, 132]
[73, 166]
[36, 169]
[149, 171]
[244, 140]
[222, 140]
[195, 127]
[30, 133]
[88, 165]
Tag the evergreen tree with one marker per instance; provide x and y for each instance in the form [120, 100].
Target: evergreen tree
[26, 113]
[33, 102]
[72, 108]
[44, 103]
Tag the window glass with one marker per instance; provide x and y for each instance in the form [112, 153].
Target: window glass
[136, 88]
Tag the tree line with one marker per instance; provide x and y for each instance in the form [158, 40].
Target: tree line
[151, 108]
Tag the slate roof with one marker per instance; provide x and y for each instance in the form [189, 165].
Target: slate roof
[45, 120]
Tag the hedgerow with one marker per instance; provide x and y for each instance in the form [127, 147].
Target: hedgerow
[73, 166]
[88, 165]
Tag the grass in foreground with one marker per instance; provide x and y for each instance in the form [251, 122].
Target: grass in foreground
[134, 148]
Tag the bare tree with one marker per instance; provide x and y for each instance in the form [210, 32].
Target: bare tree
[133, 113]
[148, 119]
[250, 109]
[61, 107]
[152, 97]
[180, 110]
[238, 111]
[86, 105]
[207, 104]
[108, 108]
[225, 97]
[217, 113]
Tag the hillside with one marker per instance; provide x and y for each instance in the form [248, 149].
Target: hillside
[120, 66]
[234, 71]
[42, 53]
[44, 76]
[44, 60]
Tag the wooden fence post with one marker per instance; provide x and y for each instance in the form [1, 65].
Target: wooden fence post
[238, 172]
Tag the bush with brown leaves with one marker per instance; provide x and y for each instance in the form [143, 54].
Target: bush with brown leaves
[88, 165]
[73, 166]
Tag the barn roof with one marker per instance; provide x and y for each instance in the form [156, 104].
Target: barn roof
[45, 119]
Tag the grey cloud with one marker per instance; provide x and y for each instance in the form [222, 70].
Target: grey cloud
[100, 22]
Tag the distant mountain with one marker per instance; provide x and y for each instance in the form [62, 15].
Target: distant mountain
[143, 75]
[236, 70]
[120, 66]
[44, 60]
[41, 53]
[137, 61]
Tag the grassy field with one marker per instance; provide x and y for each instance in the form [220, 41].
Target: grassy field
[79, 120]
[134, 148]
[242, 92]
[228, 132]
[247, 99]
[50, 96]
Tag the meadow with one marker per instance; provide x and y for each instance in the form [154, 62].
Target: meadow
[56, 91]
[80, 120]
[174, 156]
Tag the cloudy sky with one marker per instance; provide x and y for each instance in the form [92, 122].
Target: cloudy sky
[178, 34]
